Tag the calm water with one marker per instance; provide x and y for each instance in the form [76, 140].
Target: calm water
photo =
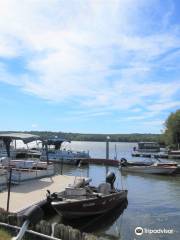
[153, 201]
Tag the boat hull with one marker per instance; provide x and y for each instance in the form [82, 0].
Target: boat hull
[150, 169]
[90, 207]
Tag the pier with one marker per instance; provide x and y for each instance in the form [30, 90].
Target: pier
[34, 191]
[99, 161]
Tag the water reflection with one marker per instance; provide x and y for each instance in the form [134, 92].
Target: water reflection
[154, 200]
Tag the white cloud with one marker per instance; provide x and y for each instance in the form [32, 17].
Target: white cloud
[101, 54]
[34, 126]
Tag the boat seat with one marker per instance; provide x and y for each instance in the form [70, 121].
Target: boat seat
[104, 188]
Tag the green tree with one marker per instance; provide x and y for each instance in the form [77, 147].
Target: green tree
[172, 129]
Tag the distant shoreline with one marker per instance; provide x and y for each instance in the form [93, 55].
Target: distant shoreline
[134, 137]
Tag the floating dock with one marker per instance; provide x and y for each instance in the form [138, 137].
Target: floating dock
[34, 191]
[99, 161]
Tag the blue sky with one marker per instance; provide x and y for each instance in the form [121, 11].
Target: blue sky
[102, 66]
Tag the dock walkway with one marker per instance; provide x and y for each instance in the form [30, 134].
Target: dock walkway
[34, 191]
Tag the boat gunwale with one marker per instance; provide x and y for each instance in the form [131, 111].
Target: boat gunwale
[56, 202]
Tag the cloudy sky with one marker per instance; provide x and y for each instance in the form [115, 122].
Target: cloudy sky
[100, 66]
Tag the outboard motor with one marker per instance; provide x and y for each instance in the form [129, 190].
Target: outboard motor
[110, 178]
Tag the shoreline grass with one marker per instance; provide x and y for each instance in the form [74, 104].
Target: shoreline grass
[4, 235]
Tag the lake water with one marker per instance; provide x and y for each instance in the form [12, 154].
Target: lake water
[153, 201]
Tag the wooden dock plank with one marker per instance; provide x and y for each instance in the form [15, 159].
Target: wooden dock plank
[33, 191]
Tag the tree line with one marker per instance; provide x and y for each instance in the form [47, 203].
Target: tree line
[170, 137]
[172, 130]
[135, 137]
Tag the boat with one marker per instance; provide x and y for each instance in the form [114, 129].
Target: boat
[165, 168]
[153, 169]
[100, 222]
[124, 162]
[148, 147]
[83, 201]
[149, 150]
[27, 169]
[174, 154]
[54, 152]
[177, 171]
[28, 153]
[23, 169]
[3, 152]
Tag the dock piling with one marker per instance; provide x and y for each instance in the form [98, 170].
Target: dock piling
[107, 147]
[9, 188]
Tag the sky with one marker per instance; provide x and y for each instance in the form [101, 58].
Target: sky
[99, 66]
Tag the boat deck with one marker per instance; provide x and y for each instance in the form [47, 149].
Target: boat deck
[34, 191]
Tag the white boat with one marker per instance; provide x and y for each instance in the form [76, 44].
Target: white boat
[24, 169]
[19, 152]
[165, 168]
[175, 154]
[148, 147]
[23, 174]
[149, 150]
[150, 169]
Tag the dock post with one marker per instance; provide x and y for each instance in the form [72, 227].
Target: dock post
[47, 154]
[9, 188]
[107, 152]
[62, 161]
[88, 170]
[107, 147]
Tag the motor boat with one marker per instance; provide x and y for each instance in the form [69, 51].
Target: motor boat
[165, 168]
[100, 222]
[83, 201]
[124, 162]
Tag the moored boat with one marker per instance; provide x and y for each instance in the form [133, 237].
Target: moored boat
[174, 154]
[165, 168]
[154, 169]
[23, 169]
[149, 150]
[83, 201]
[147, 147]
